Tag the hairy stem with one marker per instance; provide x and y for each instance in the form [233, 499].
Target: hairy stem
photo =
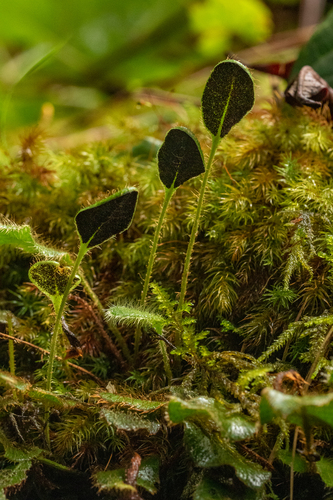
[195, 226]
[168, 195]
[59, 312]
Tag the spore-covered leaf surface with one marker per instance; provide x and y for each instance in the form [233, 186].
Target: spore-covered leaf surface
[51, 278]
[227, 97]
[111, 216]
[180, 157]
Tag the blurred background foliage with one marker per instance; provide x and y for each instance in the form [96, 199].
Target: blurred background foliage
[92, 49]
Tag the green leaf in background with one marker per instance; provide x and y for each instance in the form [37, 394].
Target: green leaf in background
[131, 316]
[210, 452]
[130, 421]
[51, 400]
[180, 157]
[318, 52]
[227, 97]
[148, 477]
[14, 382]
[325, 470]
[300, 464]
[106, 218]
[210, 412]
[299, 410]
[208, 489]
[21, 237]
[51, 278]
[216, 22]
[112, 479]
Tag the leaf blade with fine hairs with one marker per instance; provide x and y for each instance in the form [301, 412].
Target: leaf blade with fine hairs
[106, 218]
[132, 316]
[179, 158]
[227, 97]
[51, 278]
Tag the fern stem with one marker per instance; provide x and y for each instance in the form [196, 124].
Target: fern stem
[195, 226]
[168, 195]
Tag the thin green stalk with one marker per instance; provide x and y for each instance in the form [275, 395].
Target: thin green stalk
[166, 361]
[167, 198]
[11, 347]
[195, 226]
[59, 312]
[168, 195]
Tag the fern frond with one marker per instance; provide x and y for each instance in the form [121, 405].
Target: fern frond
[131, 316]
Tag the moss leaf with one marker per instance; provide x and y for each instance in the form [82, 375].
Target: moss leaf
[180, 157]
[130, 421]
[227, 97]
[108, 217]
[51, 278]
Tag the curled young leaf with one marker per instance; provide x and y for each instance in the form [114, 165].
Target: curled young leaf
[51, 278]
[180, 157]
[227, 97]
[106, 218]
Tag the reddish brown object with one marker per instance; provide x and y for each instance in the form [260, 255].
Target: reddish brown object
[279, 69]
[309, 89]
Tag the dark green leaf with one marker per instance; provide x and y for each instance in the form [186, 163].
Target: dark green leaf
[108, 217]
[208, 489]
[51, 278]
[228, 96]
[18, 455]
[127, 421]
[180, 157]
[210, 412]
[299, 410]
[211, 452]
[14, 475]
[148, 474]
[318, 52]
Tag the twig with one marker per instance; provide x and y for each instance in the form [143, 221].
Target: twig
[44, 351]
